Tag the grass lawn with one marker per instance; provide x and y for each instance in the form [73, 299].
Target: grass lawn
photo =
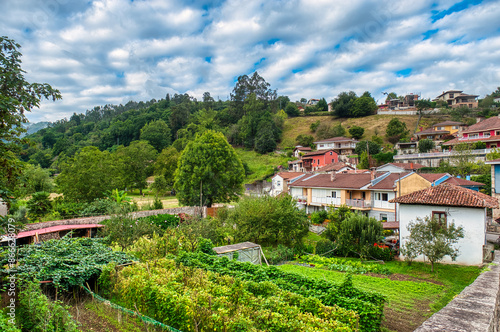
[261, 165]
[413, 292]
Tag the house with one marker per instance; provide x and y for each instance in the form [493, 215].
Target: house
[399, 167]
[495, 184]
[342, 145]
[313, 160]
[440, 130]
[456, 98]
[312, 102]
[449, 204]
[280, 182]
[300, 150]
[406, 147]
[406, 102]
[339, 167]
[487, 131]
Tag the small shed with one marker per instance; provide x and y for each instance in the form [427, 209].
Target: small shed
[247, 252]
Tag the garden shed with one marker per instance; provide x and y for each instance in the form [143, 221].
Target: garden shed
[246, 252]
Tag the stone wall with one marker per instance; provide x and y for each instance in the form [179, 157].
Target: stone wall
[476, 308]
[193, 211]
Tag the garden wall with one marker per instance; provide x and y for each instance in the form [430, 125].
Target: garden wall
[193, 211]
[476, 308]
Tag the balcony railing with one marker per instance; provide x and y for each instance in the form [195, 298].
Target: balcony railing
[325, 200]
[441, 154]
[383, 205]
[301, 199]
[359, 203]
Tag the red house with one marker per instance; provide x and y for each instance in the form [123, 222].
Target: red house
[313, 160]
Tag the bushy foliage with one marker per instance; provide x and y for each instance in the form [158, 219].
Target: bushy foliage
[68, 262]
[39, 205]
[425, 145]
[37, 313]
[325, 248]
[373, 148]
[305, 140]
[356, 132]
[396, 130]
[344, 265]
[357, 232]
[123, 230]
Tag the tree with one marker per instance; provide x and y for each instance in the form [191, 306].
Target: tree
[433, 239]
[34, 179]
[292, 110]
[356, 233]
[396, 130]
[423, 104]
[269, 220]
[463, 159]
[135, 164]
[17, 96]
[166, 164]
[322, 105]
[87, 175]
[265, 141]
[343, 104]
[157, 133]
[39, 205]
[314, 126]
[363, 106]
[425, 145]
[209, 171]
[373, 148]
[305, 140]
[356, 132]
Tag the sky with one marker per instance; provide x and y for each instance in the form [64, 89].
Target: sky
[113, 51]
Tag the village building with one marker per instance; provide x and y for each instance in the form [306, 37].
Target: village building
[342, 145]
[449, 203]
[486, 131]
[456, 98]
[280, 182]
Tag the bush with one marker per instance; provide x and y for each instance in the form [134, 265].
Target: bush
[279, 255]
[318, 217]
[39, 205]
[325, 248]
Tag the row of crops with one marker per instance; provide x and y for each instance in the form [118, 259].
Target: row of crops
[200, 292]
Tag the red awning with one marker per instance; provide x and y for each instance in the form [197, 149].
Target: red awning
[55, 229]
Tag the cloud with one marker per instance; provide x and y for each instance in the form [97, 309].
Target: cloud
[112, 51]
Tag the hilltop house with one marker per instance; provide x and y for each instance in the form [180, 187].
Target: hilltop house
[342, 145]
[440, 130]
[449, 203]
[456, 98]
[487, 131]
[300, 150]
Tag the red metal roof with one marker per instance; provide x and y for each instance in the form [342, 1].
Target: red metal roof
[56, 229]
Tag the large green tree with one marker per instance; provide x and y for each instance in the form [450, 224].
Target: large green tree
[157, 133]
[17, 96]
[209, 171]
[364, 106]
[87, 175]
[396, 130]
[343, 104]
[136, 164]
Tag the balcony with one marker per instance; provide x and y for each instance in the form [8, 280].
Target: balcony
[301, 199]
[358, 203]
[325, 200]
[383, 205]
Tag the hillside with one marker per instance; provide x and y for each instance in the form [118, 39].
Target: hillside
[373, 125]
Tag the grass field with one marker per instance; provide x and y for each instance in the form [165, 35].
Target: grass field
[413, 292]
[373, 125]
[261, 165]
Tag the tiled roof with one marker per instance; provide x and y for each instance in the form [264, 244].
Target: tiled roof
[317, 153]
[337, 139]
[303, 148]
[487, 124]
[408, 166]
[463, 182]
[448, 195]
[448, 123]
[389, 181]
[333, 167]
[454, 141]
[494, 161]
[431, 131]
[341, 181]
[289, 175]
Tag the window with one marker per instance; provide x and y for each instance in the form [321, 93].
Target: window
[385, 197]
[334, 194]
[486, 134]
[497, 132]
[452, 95]
[440, 128]
[278, 183]
[321, 145]
[331, 153]
[383, 217]
[472, 136]
[440, 216]
[454, 127]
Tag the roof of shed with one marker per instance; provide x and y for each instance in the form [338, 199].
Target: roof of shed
[235, 247]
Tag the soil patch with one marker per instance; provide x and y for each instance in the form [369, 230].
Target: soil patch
[406, 321]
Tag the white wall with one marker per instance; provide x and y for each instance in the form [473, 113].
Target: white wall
[277, 186]
[473, 220]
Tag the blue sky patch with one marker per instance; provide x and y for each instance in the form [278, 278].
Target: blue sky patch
[458, 7]
[430, 33]
[404, 72]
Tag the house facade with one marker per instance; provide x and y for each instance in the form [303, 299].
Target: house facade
[487, 131]
[300, 150]
[456, 98]
[280, 182]
[440, 130]
[450, 204]
[342, 145]
[495, 184]
[314, 160]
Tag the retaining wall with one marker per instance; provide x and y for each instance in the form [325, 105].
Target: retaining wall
[193, 211]
[474, 309]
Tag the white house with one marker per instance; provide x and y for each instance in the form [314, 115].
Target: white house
[450, 204]
[399, 167]
[280, 182]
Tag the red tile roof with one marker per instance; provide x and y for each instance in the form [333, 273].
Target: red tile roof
[431, 131]
[454, 141]
[303, 148]
[333, 167]
[463, 182]
[289, 175]
[431, 177]
[487, 124]
[337, 139]
[389, 181]
[448, 195]
[448, 123]
[341, 181]
[408, 166]
[317, 153]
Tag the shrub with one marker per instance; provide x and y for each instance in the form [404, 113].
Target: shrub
[39, 205]
[325, 247]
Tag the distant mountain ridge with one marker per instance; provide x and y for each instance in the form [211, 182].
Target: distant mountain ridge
[34, 127]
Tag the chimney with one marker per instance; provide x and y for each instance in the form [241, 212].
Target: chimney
[411, 165]
[372, 175]
[333, 175]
